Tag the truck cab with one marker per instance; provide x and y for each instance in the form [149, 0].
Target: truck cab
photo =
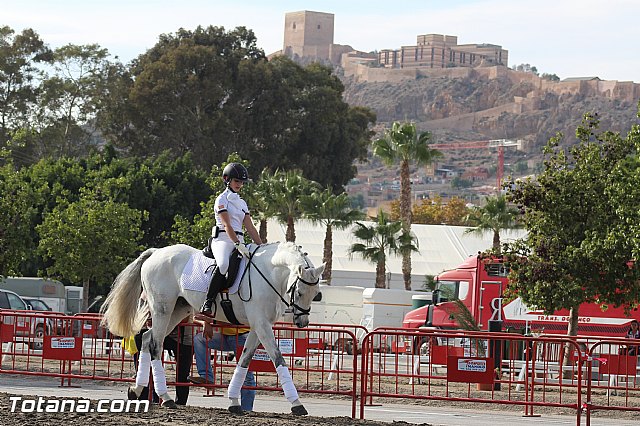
[479, 283]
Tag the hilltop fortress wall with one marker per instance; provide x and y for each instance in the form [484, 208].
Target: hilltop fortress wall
[619, 90]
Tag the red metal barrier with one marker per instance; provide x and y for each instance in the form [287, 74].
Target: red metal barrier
[616, 382]
[500, 366]
[81, 349]
[496, 368]
[316, 368]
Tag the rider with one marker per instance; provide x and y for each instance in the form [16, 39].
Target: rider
[231, 212]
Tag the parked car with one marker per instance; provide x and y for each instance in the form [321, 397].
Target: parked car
[37, 326]
[37, 304]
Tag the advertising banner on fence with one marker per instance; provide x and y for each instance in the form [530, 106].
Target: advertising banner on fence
[62, 348]
[290, 348]
[470, 369]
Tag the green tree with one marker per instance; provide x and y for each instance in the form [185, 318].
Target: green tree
[265, 207]
[379, 240]
[18, 213]
[90, 241]
[70, 95]
[331, 134]
[460, 183]
[212, 93]
[333, 212]
[163, 185]
[404, 144]
[287, 189]
[496, 215]
[20, 56]
[435, 211]
[195, 231]
[580, 213]
[182, 95]
[550, 77]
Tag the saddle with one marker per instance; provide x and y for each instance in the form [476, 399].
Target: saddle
[234, 265]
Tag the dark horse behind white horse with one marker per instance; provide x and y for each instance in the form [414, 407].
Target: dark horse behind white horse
[275, 270]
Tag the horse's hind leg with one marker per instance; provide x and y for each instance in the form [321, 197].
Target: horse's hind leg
[240, 373]
[161, 326]
[151, 356]
[144, 365]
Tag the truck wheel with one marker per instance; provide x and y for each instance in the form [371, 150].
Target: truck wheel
[349, 348]
[39, 335]
[344, 345]
[421, 346]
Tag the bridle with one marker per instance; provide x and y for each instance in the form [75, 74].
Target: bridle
[296, 309]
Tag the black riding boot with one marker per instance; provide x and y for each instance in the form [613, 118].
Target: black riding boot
[218, 281]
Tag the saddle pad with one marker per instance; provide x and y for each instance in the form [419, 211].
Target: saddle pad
[196, 274]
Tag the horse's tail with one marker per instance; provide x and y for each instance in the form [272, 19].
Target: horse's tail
[120, 309]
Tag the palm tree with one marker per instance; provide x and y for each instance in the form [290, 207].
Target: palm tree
[495, 216]
[403, 143]
[286, 190]
[332, 211]
[378, 240]
[262, 203]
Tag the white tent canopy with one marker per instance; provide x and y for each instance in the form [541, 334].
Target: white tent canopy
[441, 247]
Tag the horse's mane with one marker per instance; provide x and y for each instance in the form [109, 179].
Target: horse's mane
[287, 254]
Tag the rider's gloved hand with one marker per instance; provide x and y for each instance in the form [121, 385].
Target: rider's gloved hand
[242, 249]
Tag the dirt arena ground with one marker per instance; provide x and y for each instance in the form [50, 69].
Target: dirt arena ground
[183, 416]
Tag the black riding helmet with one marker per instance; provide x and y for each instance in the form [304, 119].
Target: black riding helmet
[235, 171]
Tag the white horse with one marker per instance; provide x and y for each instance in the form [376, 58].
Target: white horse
[274, 270]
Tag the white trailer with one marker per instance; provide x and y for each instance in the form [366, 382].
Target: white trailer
[73, 294]
[49, 291]
[339, 305]
[367, 307]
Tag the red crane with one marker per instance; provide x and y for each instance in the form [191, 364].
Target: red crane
[500, 144]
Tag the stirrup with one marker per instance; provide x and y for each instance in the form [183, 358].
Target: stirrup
[206, 307]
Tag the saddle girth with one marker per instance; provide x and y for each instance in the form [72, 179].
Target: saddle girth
[227, 308]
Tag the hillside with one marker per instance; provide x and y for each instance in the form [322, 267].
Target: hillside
[494, 103]
[465, 104]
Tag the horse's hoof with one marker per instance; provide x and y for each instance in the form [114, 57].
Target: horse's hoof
[299, 410]
[169, 403]
[237, 410]
[131, 394]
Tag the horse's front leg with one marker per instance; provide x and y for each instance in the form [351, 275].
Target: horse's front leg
[240, 373]
[269, 342]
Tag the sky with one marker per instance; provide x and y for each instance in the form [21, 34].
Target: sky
[568, 38]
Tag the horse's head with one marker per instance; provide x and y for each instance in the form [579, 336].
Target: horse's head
[303, 287]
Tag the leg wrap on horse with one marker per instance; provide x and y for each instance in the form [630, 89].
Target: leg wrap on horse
[159, 378]
[142, 375]
[239, 374]
[288, 387]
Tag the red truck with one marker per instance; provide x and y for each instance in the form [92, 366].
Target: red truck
[479, 283]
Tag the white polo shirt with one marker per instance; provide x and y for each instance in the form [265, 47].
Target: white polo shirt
[231, 203]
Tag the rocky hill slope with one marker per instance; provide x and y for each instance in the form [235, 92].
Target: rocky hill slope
[493, 103]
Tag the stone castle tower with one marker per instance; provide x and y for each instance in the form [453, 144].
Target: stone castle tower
[308, 35]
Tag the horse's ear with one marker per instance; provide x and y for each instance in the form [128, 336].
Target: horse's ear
[320, 269]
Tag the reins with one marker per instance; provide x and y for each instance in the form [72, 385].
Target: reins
[291, 290]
